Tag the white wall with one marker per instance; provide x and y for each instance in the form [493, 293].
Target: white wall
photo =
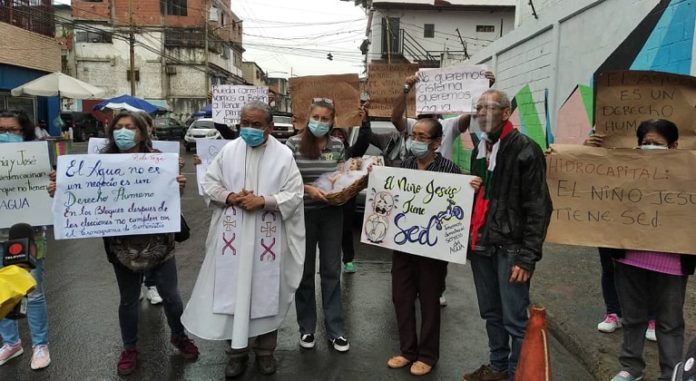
[571, 39]
[446, 23]
[106, 65]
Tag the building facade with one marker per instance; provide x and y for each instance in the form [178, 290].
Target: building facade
[433, 33]
[29, 52]
[180, 47]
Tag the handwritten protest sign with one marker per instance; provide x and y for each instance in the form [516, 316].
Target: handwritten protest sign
[113, 195]
[343, 90]
[622, 198]
[95, 145]
[450, 90]
[385, 83]
[228, 101]
[206, 149]
[419, 212]
[626, 98]
[24, 180]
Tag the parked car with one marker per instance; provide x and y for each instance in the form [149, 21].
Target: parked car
[282, 126]
[379, 128]
[203, 128]
[169, 129]
[83, 124]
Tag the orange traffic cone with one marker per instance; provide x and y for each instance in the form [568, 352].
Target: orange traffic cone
[534, 363]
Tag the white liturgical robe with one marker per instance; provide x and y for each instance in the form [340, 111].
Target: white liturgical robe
[254, 260]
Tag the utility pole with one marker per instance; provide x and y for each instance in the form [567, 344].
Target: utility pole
[131, 41]
[205, 53]
[466, 51]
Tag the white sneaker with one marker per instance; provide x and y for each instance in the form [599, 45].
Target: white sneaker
[611, 323]
[650, 332]
[153, 296]
[40, 358]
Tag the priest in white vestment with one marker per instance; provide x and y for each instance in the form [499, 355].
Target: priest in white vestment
[255, 245]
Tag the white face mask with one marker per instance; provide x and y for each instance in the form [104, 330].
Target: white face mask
[652, 146]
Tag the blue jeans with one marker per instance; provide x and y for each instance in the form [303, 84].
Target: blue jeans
[129, 282]
[323, 227]
[37, 314]
[503, 305]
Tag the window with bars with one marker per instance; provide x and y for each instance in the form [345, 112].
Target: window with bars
[485, 28]
[174, 7]
[429, 30]
[95, 37]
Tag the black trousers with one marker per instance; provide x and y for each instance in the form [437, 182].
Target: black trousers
[415, 277]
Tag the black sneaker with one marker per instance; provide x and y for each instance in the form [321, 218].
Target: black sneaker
[340, 344]
[307, 341]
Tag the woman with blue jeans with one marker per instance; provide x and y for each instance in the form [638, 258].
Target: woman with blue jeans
[17, 128]
[317, 152]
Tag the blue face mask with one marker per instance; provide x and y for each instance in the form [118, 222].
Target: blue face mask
[419, 149]
[10, 138]
[252, 136]
[318, 128]
[124, 138]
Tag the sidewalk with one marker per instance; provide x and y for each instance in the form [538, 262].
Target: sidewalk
[567, 283]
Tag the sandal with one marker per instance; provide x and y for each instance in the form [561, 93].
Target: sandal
[397, 362]
[420, 368]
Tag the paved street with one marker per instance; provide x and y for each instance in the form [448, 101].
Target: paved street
[85, 341]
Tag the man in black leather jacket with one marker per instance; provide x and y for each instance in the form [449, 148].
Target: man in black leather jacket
[511, 215]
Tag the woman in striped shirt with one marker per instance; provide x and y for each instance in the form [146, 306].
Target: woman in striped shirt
[317, 152]
[649, 281]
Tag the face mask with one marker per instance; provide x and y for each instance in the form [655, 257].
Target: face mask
[419, 149]
[10, 138]
[252, 136]
[652, 146]
[125, 139]
[317, 128]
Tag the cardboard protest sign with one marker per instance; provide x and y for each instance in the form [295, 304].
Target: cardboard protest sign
[114, 195]
[626, 98]
[342, 89]
[622, 198]
[385, 83]
[206, 149]
[228, 101]
[95, 145]
[419, 212]
[450, 90]
[24, 180]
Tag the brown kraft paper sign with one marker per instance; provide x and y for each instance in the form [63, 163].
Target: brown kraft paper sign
[385, 83]
[342, 89]
[626, 98]
[623, 198]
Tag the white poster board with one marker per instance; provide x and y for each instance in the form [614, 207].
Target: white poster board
[24, 180]
[228, 101]
[450, 90]
[419, 212]
[116, 194]
[206, 149]
[95, 145]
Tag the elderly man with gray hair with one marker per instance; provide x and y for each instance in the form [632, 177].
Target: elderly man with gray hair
[512, 210]
[255, 246]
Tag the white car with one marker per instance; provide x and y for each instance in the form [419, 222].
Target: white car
[203, 128]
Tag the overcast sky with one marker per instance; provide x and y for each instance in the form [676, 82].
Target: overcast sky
[284, 36]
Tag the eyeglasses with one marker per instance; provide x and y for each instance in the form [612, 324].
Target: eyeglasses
[489, 107]
[420, 138]
[327, 100]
